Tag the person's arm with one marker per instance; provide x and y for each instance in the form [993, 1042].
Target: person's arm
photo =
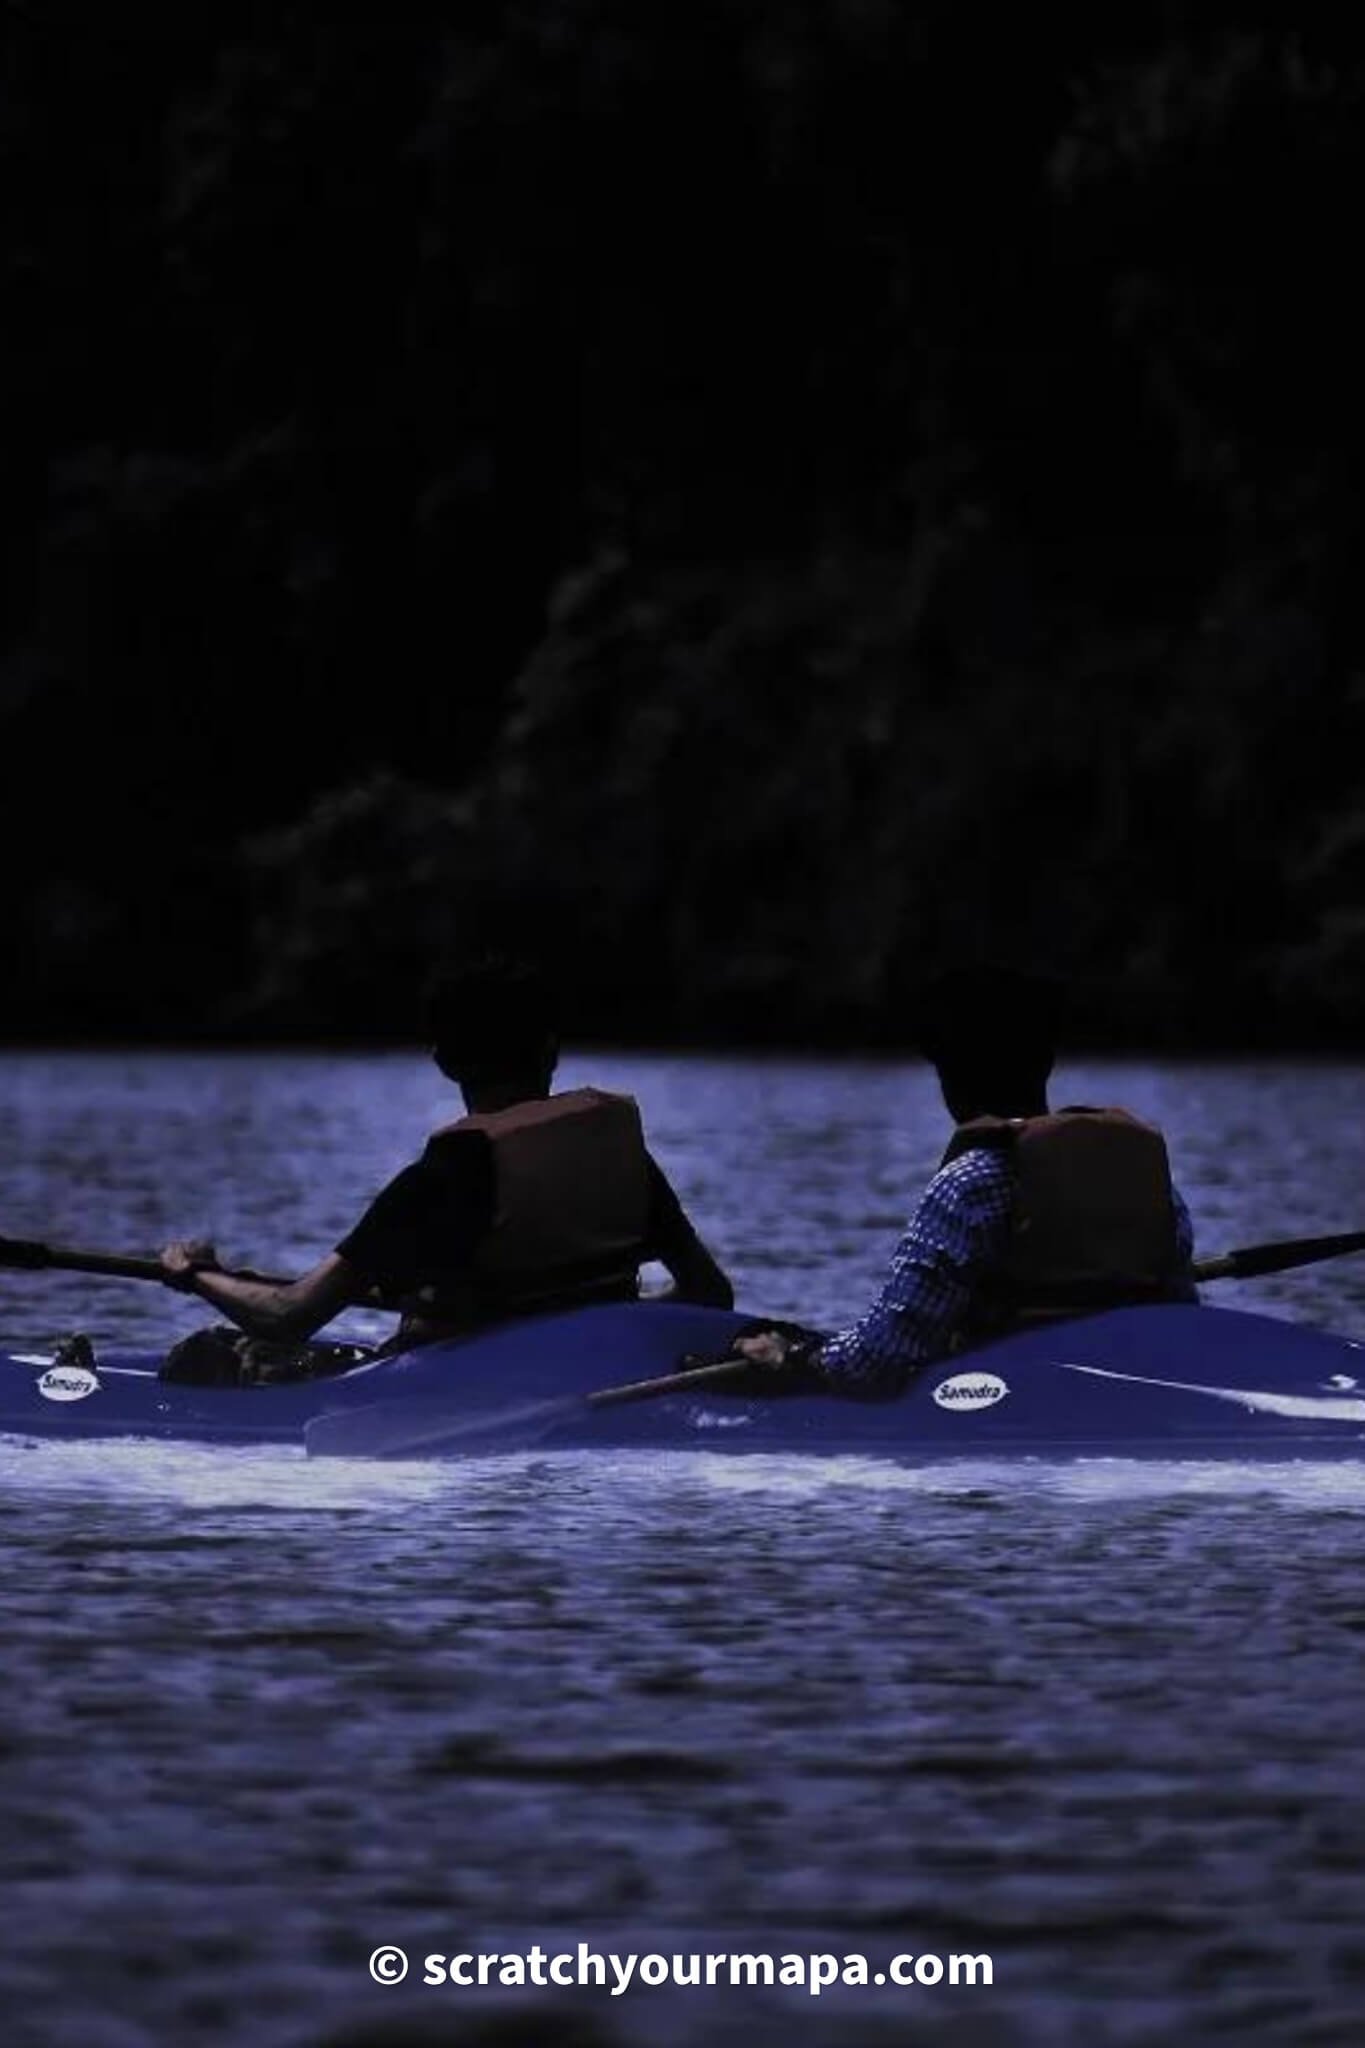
[284, 1310]
[676, 1245]
[956, 1235]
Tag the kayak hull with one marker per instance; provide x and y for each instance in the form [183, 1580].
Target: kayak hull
[1163, 1382]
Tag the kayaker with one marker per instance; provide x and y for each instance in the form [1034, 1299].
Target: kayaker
[1030, 1215]
[530, 1202]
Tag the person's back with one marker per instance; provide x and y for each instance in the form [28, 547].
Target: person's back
[571, 1191]
[531, 1201]
[550, 1202]
[1092, 1222]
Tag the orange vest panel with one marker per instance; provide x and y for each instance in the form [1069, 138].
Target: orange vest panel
[570, 1188]
[1092, 1221]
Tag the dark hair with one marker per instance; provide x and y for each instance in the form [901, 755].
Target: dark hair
[992, 1029]
[490, 1019]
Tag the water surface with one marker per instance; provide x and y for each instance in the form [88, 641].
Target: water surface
[1100, 1721]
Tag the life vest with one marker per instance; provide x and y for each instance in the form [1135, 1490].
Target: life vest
[1092, 1223]
[571, 1208]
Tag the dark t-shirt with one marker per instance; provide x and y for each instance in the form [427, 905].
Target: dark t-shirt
[426, 1225]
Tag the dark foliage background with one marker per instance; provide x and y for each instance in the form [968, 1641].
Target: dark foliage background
[764, 498]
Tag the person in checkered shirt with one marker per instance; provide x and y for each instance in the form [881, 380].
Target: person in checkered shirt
[955, 1276]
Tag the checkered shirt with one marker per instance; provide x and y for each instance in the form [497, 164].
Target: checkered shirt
[957, 1236]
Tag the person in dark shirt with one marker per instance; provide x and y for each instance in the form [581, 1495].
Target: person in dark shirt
[433, 1217]
[530, 1202]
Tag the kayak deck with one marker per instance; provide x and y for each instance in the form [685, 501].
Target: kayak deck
[1171, 1381]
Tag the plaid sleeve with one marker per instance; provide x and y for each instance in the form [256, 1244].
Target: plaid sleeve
[958, 1232]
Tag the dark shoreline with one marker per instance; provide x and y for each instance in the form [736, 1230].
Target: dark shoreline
[869, 1053]
[768, 602]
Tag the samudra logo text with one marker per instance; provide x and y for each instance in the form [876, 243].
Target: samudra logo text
[67, 1383]
[967, 1391]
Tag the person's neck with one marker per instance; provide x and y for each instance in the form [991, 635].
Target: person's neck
[1008, 1109]
[486, 1098]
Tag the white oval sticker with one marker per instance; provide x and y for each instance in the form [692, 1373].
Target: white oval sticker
[67, 1383]
[968, 1390]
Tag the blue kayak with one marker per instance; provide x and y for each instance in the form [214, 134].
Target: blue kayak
[1137, 1382]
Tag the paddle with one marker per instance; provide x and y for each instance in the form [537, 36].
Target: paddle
[28, 1256]
[1255, 1259]
[392, 1429]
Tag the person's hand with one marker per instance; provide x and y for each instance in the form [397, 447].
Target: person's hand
[768, 1348]
[185, 1257]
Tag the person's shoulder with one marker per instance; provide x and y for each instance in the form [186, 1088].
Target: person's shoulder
[454, 1150]
[611, 1116]
[964, 1209]
[983, 1164]
[986, 1172]
[589, 1094]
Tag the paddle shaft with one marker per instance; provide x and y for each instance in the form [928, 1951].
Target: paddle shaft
[27, 1256]
[669, 1383]
[1256, 1259]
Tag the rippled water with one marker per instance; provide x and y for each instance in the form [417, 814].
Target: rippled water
[259, 1716]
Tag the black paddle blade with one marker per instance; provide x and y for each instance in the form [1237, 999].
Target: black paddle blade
[23, 1254]
[1281, 1257]
[436, 1429]
[433, 1429]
